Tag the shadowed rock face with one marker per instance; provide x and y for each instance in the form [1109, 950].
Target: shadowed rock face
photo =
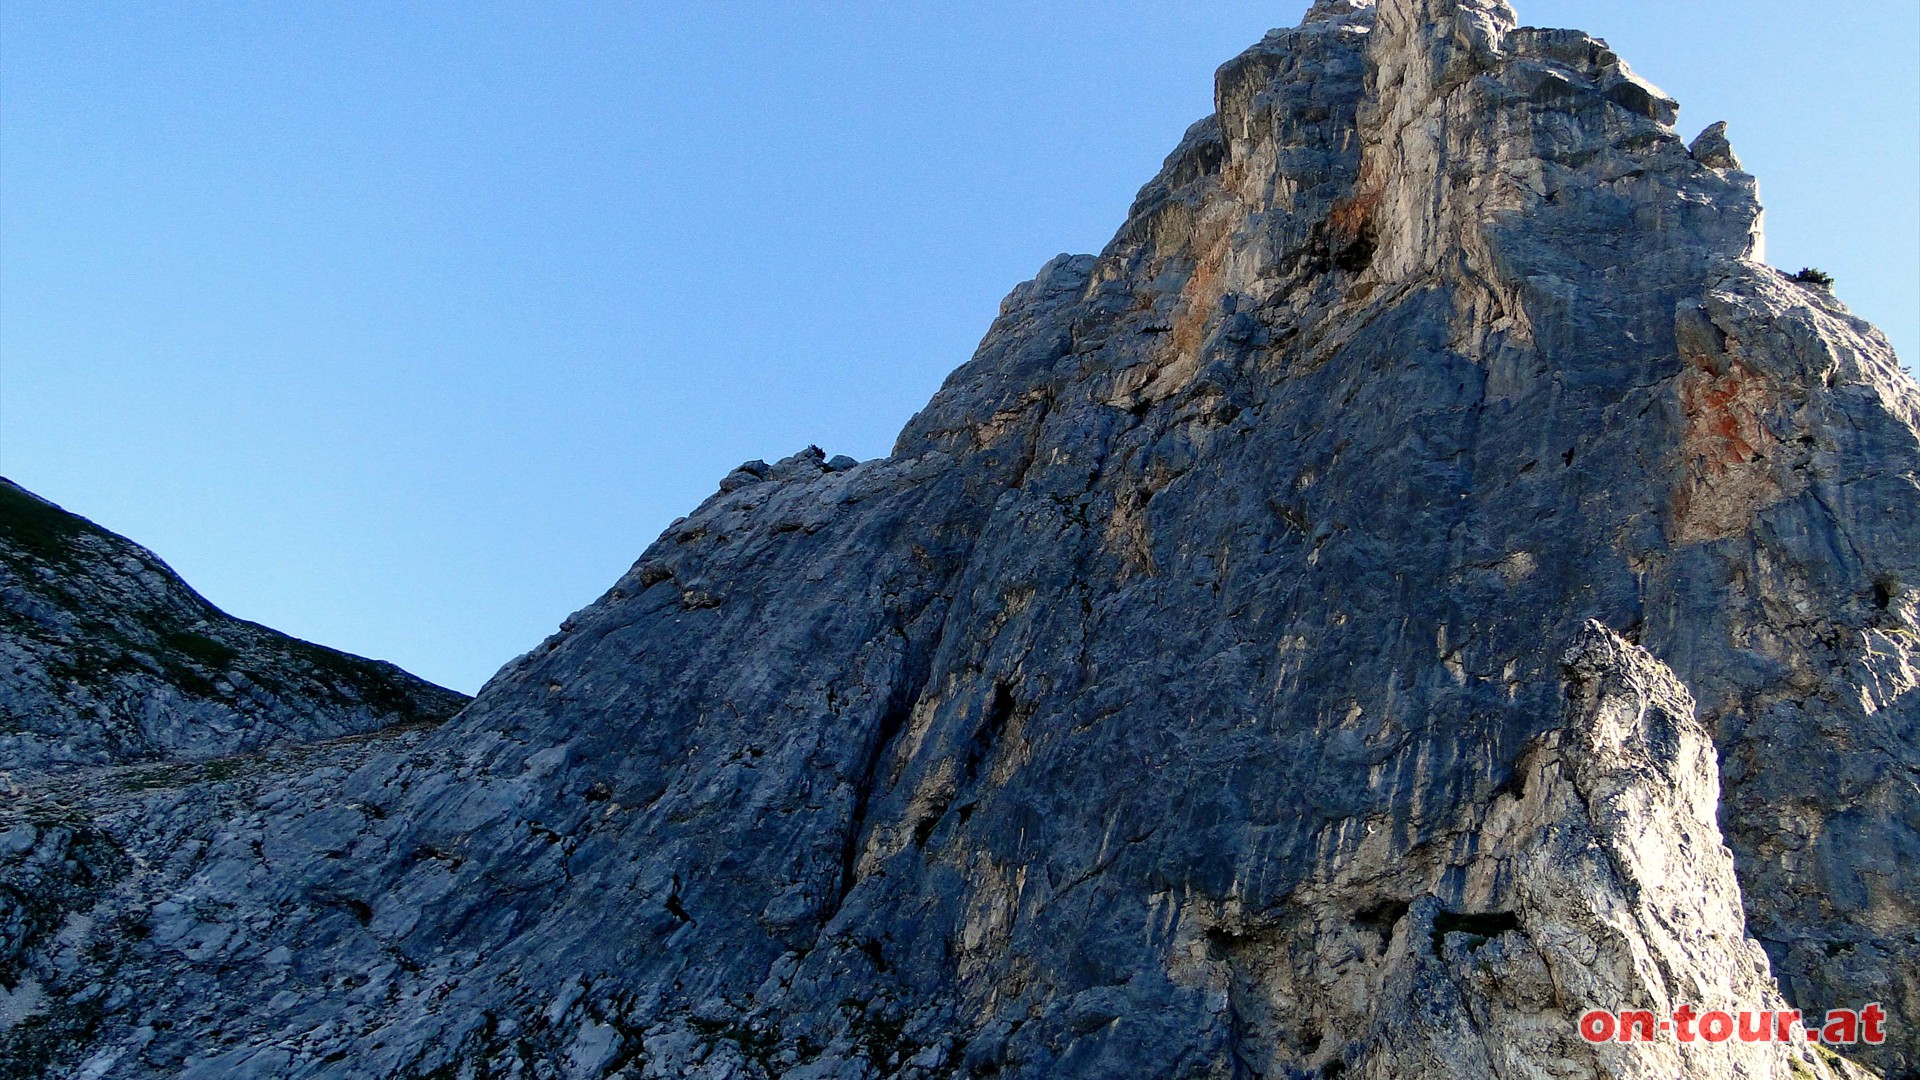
[1205, 687]
[107, 656]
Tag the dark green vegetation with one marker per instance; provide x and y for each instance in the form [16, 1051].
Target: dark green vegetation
[37, 528]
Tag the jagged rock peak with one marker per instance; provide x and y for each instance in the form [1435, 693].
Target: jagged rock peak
[1337, 11]
[1713, 149]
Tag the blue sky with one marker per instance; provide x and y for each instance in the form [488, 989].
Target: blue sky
[405, 327]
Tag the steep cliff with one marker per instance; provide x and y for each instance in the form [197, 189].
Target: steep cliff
[1216, 680]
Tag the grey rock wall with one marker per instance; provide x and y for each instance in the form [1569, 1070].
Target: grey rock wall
[1204, 687]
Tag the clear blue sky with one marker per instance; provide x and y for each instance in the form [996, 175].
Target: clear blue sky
[406, 326]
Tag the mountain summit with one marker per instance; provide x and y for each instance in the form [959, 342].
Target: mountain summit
[1424, 580]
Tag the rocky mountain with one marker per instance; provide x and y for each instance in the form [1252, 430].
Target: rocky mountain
[1425, 579]
[106, 656]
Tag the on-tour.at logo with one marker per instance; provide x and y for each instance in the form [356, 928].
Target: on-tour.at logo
[1842, 1027]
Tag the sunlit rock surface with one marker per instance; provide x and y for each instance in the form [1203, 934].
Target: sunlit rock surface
[1209, 684]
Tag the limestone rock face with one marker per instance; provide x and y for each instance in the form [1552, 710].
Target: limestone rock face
[1206, 686]
[1596, 878]
[107, 656]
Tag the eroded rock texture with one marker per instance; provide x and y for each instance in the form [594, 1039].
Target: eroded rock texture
[1203, 688]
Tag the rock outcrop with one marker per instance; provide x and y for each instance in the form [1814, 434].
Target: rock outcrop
[1206, 686]
[106, 656]
[1595, 878]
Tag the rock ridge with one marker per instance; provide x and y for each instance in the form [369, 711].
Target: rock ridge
[106, 656]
